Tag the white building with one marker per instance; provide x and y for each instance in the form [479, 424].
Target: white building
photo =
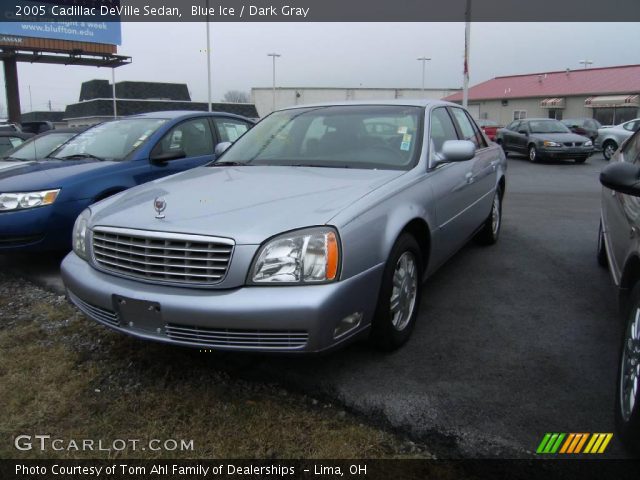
[289, 96]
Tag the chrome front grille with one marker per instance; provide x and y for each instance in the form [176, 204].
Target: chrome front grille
[162, 257]
[246, 339]
[97, 313]
[573, 144]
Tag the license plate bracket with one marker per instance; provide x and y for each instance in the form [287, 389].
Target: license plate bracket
[139, 314]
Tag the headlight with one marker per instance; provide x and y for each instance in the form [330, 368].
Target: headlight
[21, 201]
[302, 257]
[588, 143]
[80, 229]
[548, 143]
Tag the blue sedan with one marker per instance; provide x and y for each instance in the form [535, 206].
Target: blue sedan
[40, 200]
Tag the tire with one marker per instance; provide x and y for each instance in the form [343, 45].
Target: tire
[580, 160]
[533, 154]
[490, 231]
[602, 248]
[608, 149]
[628, 414]
[390, 330]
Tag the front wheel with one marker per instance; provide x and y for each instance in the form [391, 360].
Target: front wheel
[490, 231]
[608, 149]
[628, 391]
[533, 154]
[399, 296]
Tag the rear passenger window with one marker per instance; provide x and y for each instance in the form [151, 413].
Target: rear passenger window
[467, 130]
[230, 129]
[442, 129]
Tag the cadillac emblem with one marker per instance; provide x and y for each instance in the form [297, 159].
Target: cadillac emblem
[160, 205]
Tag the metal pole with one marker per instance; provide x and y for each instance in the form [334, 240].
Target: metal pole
[424, 61]
[113, 91]
[11, 87]
[467, 46]
[273, 56]
[208, 62]
[30, 99]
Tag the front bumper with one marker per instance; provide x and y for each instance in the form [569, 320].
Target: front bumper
[38, 229]
[280, 319]
[566, 152]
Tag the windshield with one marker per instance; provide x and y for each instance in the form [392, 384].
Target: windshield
[38, 147]
[547, 126]
[354, 136]
[113, 140]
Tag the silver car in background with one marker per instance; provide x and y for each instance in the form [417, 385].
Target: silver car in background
[315, 228]
[610, 138]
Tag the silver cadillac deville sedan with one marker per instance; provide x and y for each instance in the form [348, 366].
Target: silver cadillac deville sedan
[315, 228]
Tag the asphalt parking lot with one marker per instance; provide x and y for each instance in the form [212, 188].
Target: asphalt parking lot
[513, 340]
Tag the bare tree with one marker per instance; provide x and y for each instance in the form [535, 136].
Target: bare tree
[236, 96]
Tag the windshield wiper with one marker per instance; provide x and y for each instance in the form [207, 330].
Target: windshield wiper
[229, 164]
[315, 165]
[79, 156]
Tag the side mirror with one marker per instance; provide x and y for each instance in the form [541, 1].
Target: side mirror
[523, 132]
[168, 156]
[221, 148]
[622, 177]
[457, 151]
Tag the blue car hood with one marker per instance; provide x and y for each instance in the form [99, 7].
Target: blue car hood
[44, 174]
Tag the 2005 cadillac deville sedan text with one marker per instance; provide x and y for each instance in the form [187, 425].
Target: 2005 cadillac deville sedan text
[315, 228]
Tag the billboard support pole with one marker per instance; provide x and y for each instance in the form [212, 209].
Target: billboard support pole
[467, 47]
[113, 92]
[11, 87]
[208, 62]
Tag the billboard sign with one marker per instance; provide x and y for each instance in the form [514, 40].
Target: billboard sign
[18, 20]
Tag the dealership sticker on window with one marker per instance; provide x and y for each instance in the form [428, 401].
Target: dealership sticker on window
[402, 130]
[406, 143]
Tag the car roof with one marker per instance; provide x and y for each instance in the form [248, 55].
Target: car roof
[177, 114]
[423, 103]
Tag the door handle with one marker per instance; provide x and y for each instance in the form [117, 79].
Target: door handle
[469, 177]
[633, 232]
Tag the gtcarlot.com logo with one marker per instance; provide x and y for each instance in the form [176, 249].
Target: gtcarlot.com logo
[574, 443]
[47, 443]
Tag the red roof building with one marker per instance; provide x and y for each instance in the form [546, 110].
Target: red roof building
[609, 94]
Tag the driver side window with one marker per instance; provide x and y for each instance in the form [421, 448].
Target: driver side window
[442, 129]
[193, 137]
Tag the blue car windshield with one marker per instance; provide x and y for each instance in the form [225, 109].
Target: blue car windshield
[113, 140]
[38, 147]
[353, 136]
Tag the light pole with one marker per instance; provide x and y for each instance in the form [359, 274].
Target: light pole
[586, 63]
[274, 56]
[424, 61]
[467, 47]
[208, 62]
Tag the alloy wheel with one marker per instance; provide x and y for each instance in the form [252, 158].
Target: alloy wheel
[630, 368]
[404, 291]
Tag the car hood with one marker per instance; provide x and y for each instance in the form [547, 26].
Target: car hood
[5, 164]
[560, 137]
[43, 174]
[248, 204]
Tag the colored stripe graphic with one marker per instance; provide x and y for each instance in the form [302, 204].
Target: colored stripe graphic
[573, 443]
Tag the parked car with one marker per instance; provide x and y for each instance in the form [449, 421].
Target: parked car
[36, 127]
[587, 127]
[544, 138]
[489, 127]
[10, 140]
[610, 138]
[310, 231]
[38, 147]
[10, 127]
[619, 248]
[40, 200]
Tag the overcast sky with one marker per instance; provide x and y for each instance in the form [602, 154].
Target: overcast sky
[335, 55]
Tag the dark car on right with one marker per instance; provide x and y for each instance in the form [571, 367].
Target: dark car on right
[544, 138]
[587, 127]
